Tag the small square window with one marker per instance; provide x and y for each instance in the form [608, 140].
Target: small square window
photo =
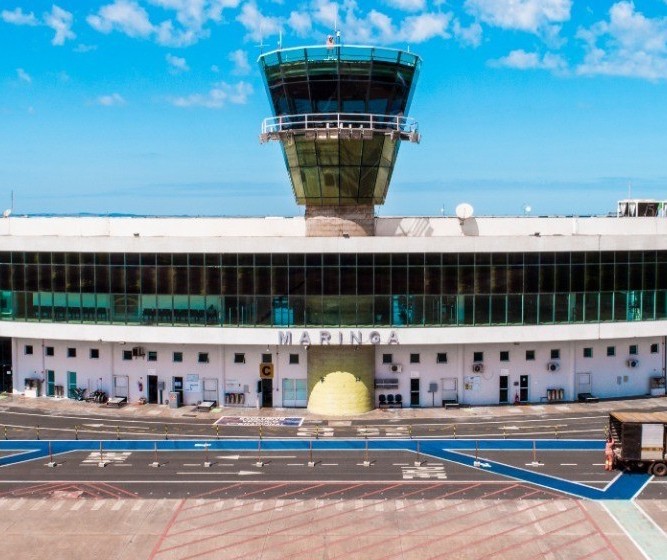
[654, 348]
[555, 353]
[441, 358]
[49, 351]
[504, 356]
[152, 356]
[387, 358]
[588, 352]
[293, 359]
[239, 358]
[203, 358]
[611, 351]
[632, 350]
[94, 353]
[71, 352]
[177, 357]
[27, 349]
[127, 354]
[414, 358]
[478, 356]
[267, 358]
[530, 355]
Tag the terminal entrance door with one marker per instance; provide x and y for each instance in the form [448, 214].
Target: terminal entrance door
[503, 389]
[414, 391]
[267, 393]
[152, 389]
[523, 388]
[6, 382]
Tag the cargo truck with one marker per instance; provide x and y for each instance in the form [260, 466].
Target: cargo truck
[639, 440]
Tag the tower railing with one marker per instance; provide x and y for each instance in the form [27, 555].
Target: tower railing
[328, 125]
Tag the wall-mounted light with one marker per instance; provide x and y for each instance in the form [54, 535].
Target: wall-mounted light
[321, 379]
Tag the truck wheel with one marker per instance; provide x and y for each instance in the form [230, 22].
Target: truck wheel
[658, 469]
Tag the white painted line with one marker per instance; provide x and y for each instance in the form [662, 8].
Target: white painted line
[400, 464]
[568, 464]
[295, 464]
[191, 464]
[329, 464]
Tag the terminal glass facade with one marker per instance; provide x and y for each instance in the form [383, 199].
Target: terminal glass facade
[346, 290]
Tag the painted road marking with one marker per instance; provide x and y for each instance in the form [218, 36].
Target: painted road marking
[424, 473]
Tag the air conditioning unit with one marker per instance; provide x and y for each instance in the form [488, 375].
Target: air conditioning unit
[396, 368]
[553, 366]
[138, 351]
[478, 367]
[633, 362]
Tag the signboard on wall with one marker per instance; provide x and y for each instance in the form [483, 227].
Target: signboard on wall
[266, 371]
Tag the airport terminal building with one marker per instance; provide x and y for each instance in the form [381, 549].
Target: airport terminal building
[339, 310]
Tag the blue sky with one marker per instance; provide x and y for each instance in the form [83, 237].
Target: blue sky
[154, 106]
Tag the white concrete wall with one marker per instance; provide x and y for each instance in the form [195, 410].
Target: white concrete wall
[611, 377]
[98, 373]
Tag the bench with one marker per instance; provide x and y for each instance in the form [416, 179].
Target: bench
[205, 406]
[451, 403]
[389, 401]
[117, 402]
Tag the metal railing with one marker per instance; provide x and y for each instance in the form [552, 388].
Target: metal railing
[323, 121]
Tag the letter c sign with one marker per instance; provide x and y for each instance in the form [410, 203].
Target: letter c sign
[266, 371]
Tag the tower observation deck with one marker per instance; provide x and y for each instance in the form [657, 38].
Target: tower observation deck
[340, 114]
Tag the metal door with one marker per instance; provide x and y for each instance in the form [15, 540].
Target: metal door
[503, 389]
[177, 387]
[267, 393]
[121, 386]
[152, 389]
[50, 383]
[71, 384]
[414, 391]
[210, 389]
[523, 388]
[584, 383]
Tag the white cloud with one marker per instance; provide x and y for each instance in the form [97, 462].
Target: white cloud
[407, 5]
[628, 44]
[215, 68]
[523, 60]
[194, 14]
[220, 95]
[18, 17]
[534, 16]
[125, 16]
[128, 17]
[471, 35]
[258, 26]
[82, 48]
[376, 27]
[240, 59]
[23, 75]
[300, 23]
[113, 99]
[177, 63]
[61, 22]
[417, 29]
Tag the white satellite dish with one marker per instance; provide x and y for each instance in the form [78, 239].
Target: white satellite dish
[464, 211]
[7, 213]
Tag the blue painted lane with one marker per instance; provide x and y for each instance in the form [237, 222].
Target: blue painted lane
[624, 487]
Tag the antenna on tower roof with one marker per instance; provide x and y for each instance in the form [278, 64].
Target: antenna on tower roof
[280, 39]
[260, 46]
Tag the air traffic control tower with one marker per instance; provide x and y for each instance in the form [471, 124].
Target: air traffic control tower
[340, 114]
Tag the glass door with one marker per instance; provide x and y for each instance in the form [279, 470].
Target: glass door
[523, 388]
[503, 389]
